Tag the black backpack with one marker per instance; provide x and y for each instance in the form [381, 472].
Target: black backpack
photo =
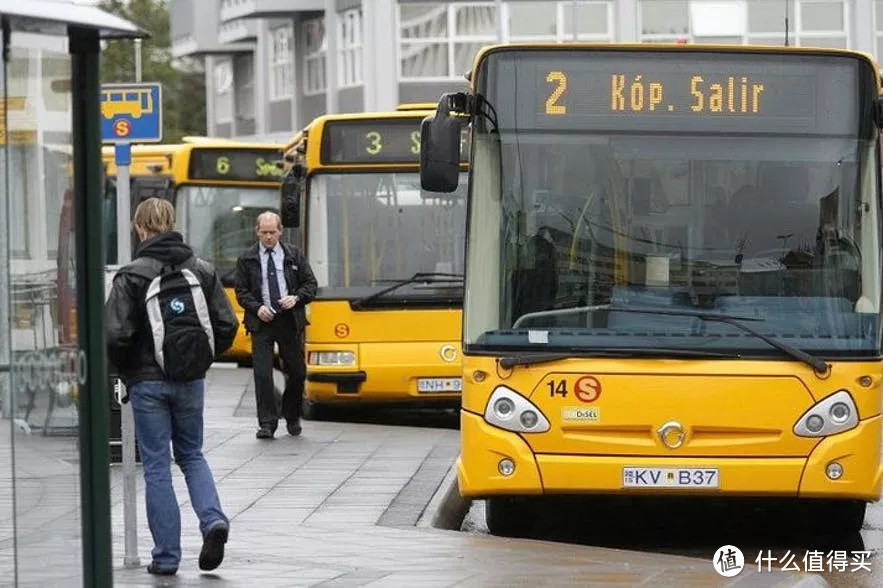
[178, 313]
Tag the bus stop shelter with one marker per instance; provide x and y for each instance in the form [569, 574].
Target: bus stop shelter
[54, 480]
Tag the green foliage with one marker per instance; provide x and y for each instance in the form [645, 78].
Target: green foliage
[183, 81]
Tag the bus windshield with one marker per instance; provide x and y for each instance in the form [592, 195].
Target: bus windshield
[219, 221]
[368, 229]
[735, 184]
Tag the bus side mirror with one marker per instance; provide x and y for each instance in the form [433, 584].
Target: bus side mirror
[440, 149]
[289, 205]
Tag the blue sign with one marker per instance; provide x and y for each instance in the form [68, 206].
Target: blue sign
[122, 153]
[131, 113]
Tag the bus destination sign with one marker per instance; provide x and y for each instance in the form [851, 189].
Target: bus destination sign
[230, 164]
[380, 141]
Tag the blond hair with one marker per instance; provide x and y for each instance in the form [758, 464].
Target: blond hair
[155, 216]
[269, 215]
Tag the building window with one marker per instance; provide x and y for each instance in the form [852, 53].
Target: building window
[244, 70]
[223, 81]
[281, 64]
[349, 35]
[315, 48]
[822, 23]
[424, 41]
[816, 23]
[441, 40]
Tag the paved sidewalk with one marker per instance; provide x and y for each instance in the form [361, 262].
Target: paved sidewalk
[337, 507]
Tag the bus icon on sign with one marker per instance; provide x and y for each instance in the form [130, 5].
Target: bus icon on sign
[131, 113]
[135, 102]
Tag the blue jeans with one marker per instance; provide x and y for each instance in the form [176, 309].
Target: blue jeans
[172, 411]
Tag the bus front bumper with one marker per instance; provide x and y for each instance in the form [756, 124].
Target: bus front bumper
[408, 373]
[483, 446]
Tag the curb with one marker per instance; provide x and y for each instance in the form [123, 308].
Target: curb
[446, 508]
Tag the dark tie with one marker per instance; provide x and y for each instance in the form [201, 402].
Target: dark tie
[273, 282]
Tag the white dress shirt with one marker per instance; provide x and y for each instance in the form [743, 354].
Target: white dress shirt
[278, 256]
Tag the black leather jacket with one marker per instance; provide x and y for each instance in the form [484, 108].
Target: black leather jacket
[129, 338]
[299, 280]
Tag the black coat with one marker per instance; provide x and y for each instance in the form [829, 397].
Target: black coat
[129, 336]
[299, 280]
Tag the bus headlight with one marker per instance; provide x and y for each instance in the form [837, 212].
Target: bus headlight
[509, 410]
[335, 358]
[831, 415]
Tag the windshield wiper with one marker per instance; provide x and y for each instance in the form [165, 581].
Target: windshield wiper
[419, 277]
[818, 365]
[526, 359]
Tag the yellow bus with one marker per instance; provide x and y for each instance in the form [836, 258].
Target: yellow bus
[388, 256]
[218, 187]
[673, 275]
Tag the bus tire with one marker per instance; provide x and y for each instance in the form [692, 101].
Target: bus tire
[313, 411]
[509, 517]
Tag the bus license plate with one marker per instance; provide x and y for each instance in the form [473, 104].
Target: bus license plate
[439, 384]
[670, 478]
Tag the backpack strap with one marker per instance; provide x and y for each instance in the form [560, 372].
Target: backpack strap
[145, 267]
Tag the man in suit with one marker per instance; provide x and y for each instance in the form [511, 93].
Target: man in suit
[274, 283]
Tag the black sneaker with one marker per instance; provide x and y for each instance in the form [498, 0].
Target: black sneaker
[212, 553]
[158, 571]
[264, 433]
[293, 428]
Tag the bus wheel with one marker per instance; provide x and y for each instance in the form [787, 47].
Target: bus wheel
[313, 411]
[510, 517]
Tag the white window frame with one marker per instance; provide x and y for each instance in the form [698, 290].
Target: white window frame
[562, 9]
[281, 63]
[349, 43]
[796, 35]
[314, 61]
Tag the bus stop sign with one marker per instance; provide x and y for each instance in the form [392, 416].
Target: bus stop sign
[131, 113]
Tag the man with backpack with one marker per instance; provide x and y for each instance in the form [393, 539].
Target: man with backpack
[274, 283]
[167, 319]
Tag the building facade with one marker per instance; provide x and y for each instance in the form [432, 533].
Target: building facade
[273, 65]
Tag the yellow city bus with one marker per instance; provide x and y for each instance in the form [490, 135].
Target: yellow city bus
[218, 187]
[673, 275]
[388, 257]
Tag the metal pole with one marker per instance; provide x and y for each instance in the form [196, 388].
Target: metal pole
[127, 417]
[88, 196]
[787, 10]
[137, 60]
[499, 5]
